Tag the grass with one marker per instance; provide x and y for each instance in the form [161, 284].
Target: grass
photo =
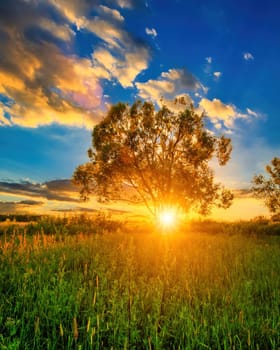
[139, 290]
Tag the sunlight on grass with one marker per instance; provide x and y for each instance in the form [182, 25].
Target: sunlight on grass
[216, 286]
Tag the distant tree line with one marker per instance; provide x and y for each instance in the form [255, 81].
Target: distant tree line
[19, 217]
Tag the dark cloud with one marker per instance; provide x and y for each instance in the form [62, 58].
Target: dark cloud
[24, 202]
[75, 210]
[58, 190]
[17, 207]
[29, 202]
[92, 210]
[61, 185]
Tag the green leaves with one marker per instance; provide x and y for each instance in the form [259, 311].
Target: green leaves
[161, 156]
[224, 149]
[268, 189]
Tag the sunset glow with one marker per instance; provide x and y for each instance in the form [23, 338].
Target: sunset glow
[140, 174]
[168, 217]
[64, 63]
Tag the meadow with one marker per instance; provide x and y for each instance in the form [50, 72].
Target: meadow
[78, 284]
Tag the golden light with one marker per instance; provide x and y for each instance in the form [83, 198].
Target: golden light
[167, 217]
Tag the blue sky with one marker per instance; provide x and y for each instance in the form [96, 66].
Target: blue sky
[64, 62]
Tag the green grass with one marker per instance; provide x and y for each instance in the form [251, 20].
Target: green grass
[140, 290]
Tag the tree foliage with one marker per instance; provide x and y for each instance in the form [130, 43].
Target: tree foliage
[268, 188]
[157, 157]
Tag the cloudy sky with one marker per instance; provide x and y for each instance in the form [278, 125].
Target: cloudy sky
[64, 62]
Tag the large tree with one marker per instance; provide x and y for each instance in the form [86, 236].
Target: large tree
[157, 157]
[268, 188]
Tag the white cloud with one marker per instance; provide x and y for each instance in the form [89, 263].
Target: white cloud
[125, 3]
[252, 113]
[3, 120]
[152, 32]
[168, 85]
[115, 14]
[217, 74]
[219, 112]
[209, 59]
[248, 56]
[124, 69]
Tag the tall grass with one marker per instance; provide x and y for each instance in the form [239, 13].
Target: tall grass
[139, 291]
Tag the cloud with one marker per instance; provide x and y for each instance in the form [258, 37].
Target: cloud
[45, 85]
[129, 3]
[112, 13]
[48, 197]
[178, 104]
[60, 90]
[92, 210]
[152, 32]
[123, 56]
[248, 56]
[252, 113]
[74, 10]
[169, 84]
[19, 206]
[219, 112]
[39, 71]
[62, 32]
[58, 190]
[217, 75]
[209, 59]
[124, 69]
[3, 120]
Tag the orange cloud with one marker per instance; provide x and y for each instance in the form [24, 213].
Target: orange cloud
[169, 84]
[114, 14]
[62, 32]
[48, 85]
[217, 109]
[124, 58]
[219, 112]
[45, 85]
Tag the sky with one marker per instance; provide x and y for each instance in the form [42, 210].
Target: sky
[64, 62]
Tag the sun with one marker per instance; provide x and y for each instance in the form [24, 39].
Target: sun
[167, 217]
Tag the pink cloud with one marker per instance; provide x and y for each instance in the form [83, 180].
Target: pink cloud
[90, 98]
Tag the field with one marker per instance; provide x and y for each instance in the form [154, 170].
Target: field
[105, 286]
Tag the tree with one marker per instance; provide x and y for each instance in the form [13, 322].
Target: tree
[159, 158]
[269, 188]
